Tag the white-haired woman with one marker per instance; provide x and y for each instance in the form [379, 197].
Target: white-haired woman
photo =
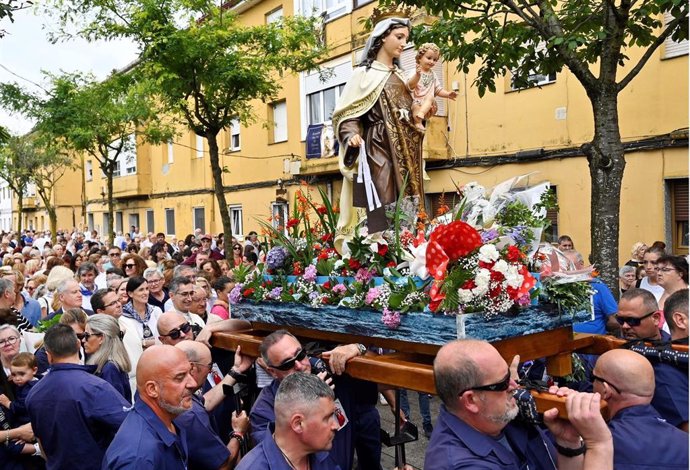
[104, 349]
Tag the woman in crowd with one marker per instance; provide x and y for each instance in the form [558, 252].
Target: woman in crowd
[224, 267]
[237, 254]
[133, 265]
[102, 342]
[158, 294]
[10, 342]
[212, 267]
[221, 307]
[626, 278]
[672, 275]
[204, 282]
[120, 287]
[145, 253]
[649, 282]
[138, 314]
[637, 254]
[76, 261]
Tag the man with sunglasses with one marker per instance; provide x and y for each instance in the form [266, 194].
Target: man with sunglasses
[181, 293]
[283, 355]
[475, 428]
[641, 438]
[639, 316]
[174, 328]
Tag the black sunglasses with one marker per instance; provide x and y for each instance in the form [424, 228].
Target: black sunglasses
[594, 377]
[85, 336]
[501, 386]
[633, 321]
[290, 363]
[128, 265]
[175, 333]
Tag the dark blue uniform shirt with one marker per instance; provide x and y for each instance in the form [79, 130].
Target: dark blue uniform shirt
[75, 416]
[644, 441]
[456, 445]
[267, 456]
[206, 449]
[671, 393]
[118, 379]
[144, 442]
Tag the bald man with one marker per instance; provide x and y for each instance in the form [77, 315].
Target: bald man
[641, 438]
[206, 449]
[173, 328]
[148, 438]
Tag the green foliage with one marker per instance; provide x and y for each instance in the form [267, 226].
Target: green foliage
[571, 297]
[44, 325]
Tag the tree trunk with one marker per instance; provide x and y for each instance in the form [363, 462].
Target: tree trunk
[20, 208]
[606, 159]
[52, 217]
[111, 219]
[217, 172]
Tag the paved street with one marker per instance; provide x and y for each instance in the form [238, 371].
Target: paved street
[415, 450]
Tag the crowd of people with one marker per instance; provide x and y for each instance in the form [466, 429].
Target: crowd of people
[107, 363]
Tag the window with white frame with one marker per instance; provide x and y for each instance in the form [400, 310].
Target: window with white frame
[236, 219]
[171, 151]
[126, 160]
[535, 79]
[274, 16]
[330, 9]
[234, 133]
[280, 216]
[118, 221]
[320, 96]
[170, 221]
[89, 170]
[673, 48]
[199, 146]
[149, 220]
[279, 120]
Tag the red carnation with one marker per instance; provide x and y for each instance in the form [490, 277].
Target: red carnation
[497, 276]
[327, 285]
[323, 255]
[514, 254]
[354, 264]
[469, 285]
[292, 223]
[391, 264]
[327, 237]
[383, 249]
[248, 292]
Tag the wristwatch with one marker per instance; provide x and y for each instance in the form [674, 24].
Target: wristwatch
[362, 349]
[569, 452]
[238, 376]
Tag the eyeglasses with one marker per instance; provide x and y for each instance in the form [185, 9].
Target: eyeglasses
[290, 363]
[86, 336]
[129, 265]
[9, 341]
[112, 303]
[184, 294]
[237, 248]
[154, 281]
[201, 364]
[665, 270]
[501, 386]
[113, 254]
[633, 321]
[594, 377]
[175, 333]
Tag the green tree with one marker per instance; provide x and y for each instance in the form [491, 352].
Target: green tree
[8, 7]
[15, 171]
[590, 39]
[206, 70]
[91, 117]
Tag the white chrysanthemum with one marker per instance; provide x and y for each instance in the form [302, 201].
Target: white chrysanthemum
[488, 253]
[513, 277]
[501, 266]
[482, 278]
[465, 296]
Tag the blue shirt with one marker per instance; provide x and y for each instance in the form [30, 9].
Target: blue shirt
[456, 445]
[31, 310]
[75, 415]
[267, 456]
[644, 441]
[144, 442]
[17, 412]
[604, 305]
[206, 450]
[118, 379]
[670, 393]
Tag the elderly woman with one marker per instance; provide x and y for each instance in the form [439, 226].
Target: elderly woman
[626, 278]
[102, 342]
[137, 314]
[158, 294]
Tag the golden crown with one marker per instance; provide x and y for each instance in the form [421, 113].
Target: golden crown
[383, 12]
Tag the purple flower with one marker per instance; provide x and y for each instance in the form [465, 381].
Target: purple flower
[371, 296]
[364, 275]
[339, 289]
[236, 294]
[524, 300]
[489, 235]
[310, 273]
[276, 257]
[313, 295]
[275, 293]
[390, 318]
[520, 234]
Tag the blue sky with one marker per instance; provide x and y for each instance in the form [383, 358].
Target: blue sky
[26, 51]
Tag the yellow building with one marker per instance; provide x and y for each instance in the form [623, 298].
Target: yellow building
[511, 132]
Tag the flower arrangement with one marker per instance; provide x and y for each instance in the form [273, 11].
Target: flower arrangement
[472, 258]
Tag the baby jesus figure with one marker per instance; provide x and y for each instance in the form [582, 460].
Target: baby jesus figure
[424, 85]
